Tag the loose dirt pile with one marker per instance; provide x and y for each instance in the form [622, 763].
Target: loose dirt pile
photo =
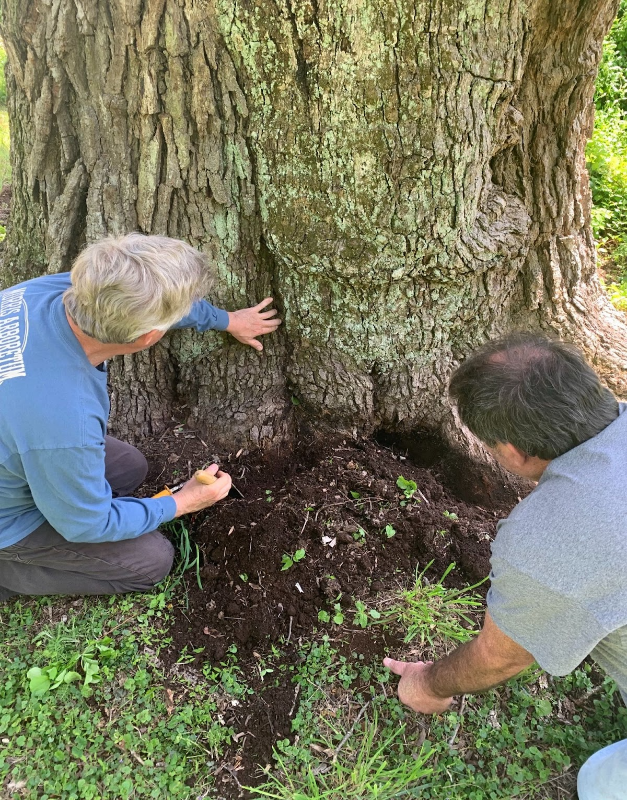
[338, 501]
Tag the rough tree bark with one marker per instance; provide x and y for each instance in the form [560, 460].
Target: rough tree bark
[406, 178]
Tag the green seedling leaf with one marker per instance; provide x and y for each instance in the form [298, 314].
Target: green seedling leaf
[544, 707]
[338, 617]
[104, 651]
[324, 616]
[389, 531]
[39, 683]
[361, 618]
[289, 560]
[355, 495]
[65, 676]
[244, 577]
[265, 671]
[409, 488]
[450, 515]
[92, 669]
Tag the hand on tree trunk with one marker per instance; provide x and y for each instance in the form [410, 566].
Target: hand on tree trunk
[195, 496]
[248, 323]
[413, 687]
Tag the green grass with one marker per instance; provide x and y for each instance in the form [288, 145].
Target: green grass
[516, 742]
[124, 726]
[431, 612]
[120, 734]
[369, 773]
[188, 552]
[355, 741]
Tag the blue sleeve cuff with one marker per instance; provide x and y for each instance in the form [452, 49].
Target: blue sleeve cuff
[168, 508]
[204, 317]
[222, 319]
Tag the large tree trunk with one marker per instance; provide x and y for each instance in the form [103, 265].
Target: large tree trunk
[406, 178]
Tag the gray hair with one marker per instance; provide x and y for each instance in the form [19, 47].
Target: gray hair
[126, 286]
[536, 393]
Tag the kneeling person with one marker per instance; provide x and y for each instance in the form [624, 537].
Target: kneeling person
[67, 525]
[558, 582]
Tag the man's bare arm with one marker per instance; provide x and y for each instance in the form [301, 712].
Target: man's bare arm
[486, 661]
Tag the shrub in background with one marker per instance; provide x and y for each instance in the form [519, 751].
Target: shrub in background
[606, 157]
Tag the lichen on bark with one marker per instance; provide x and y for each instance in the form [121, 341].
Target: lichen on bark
[405, 178]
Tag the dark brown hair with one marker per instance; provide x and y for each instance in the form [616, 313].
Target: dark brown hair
[536, 393]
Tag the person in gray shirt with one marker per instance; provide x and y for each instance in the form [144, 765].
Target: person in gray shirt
[559, 561]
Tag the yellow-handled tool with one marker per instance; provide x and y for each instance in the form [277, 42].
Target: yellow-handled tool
[204, 477]
[201, 476]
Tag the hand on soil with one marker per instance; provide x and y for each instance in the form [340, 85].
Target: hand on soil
[247, 323]
[413, 688]
[195, 496]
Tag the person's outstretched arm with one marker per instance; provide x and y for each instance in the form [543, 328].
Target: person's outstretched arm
[486, 661]
[245, 324]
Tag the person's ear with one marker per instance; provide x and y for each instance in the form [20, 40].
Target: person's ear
[516, 457]
[149, 338]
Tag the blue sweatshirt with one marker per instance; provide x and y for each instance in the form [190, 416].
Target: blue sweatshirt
[54, 409]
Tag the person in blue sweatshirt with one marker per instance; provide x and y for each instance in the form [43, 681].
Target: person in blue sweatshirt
[67, 522]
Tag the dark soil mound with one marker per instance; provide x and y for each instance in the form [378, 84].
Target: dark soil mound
[338, 500]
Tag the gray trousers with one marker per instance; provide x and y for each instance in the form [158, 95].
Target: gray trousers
[46, 563]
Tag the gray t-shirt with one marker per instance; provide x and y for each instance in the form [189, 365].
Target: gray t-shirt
[559, 561]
